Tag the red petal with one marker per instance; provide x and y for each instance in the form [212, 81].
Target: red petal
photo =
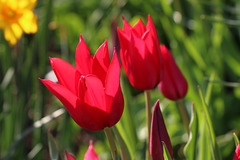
[101, 62]
[126, 26]
[139, 28]
[68, 99]
[91, 90]
[83, 57]
[66, 74]
[69, 156]
[158, 134]
[114, 99]
[237, 153]
[91, 154]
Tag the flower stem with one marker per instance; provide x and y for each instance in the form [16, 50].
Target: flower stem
[148, 120]
[111, 142]
[184, 115]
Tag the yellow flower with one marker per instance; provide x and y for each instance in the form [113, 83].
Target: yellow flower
[16, 17]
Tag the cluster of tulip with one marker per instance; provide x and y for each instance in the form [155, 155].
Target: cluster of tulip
[91, 90]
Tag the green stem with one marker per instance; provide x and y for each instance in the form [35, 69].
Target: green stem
[184, 115]
[111, 142]
[148, 120]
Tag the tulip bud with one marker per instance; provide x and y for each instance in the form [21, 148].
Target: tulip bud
[91, 154]
[158, 134]
[69, 156]
[173, 85]
[140, 54]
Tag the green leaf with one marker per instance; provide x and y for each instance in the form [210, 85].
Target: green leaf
[209, 89]
[52, 147]
[208, 121]
[167, 155]
[205, 151]
[190, 147]
[125, 154]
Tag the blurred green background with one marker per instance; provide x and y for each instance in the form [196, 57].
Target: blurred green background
[203, 37]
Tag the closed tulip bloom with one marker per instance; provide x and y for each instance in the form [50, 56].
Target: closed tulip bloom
[173, 85]
[237, 153]
[91, 154]
[140, 54]
[91, 90]
[158, 135]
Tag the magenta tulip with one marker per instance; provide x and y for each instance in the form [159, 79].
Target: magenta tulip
[91, 154]
[91, 90]
[158, 135]
[237, 153]
[140, 54]
[173, 85]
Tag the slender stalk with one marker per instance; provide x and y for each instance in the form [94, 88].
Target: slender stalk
[184, 115]
[111, 142]
[148, 120]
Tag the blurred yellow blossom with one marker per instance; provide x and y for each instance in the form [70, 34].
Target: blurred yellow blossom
[16, 17]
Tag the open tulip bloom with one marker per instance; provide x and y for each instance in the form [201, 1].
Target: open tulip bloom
[140, 54]
[91, 90]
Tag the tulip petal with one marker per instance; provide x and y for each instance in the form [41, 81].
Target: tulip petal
[83, 57]
[101, 62]
[86, 116]
[114, 97]
[69, 156]
[126, 26]
[91, 154]
[66, 74]
[140, 28]
[237, 153]
[158, 134]
[92, 92]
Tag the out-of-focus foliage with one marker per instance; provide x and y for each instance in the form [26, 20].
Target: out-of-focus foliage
[203, 37]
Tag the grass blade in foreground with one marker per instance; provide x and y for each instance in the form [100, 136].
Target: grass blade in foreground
[52, 147]
[190, 147]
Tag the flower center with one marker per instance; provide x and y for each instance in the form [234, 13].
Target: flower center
[9, 14]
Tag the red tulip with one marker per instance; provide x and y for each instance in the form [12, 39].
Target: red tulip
[69, 156]
[140, 54]
[173, 86]
[158, 134]
[91, 90]
[91, 154]
[237, 153]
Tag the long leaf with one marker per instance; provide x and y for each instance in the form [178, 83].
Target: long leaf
[190, 147]
[52, 147]
[216, 152]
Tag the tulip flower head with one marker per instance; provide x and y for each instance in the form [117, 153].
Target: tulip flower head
[237, 153]
[140, 54]
[16, 16]
[158, 134]
[173, 85]
[91, 90]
